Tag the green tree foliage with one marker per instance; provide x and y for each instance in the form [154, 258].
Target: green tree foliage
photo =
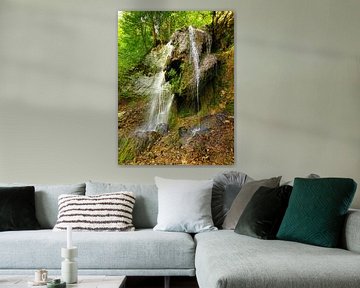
[222, 29]
[133, 41]
[140, 31]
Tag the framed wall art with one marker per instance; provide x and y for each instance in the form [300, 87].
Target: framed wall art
[175, 87]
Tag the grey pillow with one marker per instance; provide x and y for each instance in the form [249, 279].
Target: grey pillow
[184, 205]
[46, 200]
[146, 204]
[310, 176]
[226, 187]
[243, 198]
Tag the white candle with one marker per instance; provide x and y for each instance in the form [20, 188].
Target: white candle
[69, 237]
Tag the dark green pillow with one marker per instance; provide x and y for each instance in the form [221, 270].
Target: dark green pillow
[17, 208]
[316, 211]
[264, 212]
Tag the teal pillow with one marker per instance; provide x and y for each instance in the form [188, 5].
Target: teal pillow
[316, 211]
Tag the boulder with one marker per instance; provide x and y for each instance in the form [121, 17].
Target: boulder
[145, 140]
[180, 71]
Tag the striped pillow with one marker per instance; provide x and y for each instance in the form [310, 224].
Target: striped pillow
[105, 212]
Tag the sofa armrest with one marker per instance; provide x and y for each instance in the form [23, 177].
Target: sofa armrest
[351, 234]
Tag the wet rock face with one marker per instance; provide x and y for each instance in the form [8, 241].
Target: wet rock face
[180, 40]
[145, 140]
[180, 68]
[183, 132]
[162, 128]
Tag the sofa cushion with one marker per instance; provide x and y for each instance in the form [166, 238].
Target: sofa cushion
[184, 205]
[350, 239]
[146, 205]
[105, 212]
[225, 259]
[263, 214]
[137, 250]
[225, 189]
[243, 198]
[317, 209]
[46, 200]
[17, 208]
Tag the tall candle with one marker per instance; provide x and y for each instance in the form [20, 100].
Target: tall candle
[69, 237]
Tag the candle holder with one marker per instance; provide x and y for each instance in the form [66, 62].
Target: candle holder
[69, 271]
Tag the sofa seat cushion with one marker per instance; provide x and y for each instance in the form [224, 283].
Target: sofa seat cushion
[142, 249]
[226, 259]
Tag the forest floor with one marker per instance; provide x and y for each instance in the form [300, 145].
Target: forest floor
[212, 145]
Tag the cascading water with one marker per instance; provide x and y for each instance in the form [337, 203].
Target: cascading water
[195, 60]
[159, 90]
[160, 103]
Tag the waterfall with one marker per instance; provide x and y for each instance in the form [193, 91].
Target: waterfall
[158, 89]
[195, 59]
[160, 102]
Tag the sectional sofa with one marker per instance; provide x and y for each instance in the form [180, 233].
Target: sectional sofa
[219, 259]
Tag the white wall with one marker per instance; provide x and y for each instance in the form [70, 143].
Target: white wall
[297, 90]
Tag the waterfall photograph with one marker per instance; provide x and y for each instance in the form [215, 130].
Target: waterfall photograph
[176, 88]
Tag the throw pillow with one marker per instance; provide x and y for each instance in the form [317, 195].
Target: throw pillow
[226, 187]
[17, 209]
[105, 212]
[184, 205]
[243, 198]
[311, 175]
[46, 200]
[263, 215]
[146, 205]
[317, 209]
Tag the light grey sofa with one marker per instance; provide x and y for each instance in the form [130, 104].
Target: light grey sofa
[220, 259]
[143, 252]
[225, 259]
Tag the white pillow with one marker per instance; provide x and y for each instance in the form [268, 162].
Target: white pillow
[104, 212]
[184, 205]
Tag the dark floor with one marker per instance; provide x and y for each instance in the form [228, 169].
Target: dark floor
[158, 282]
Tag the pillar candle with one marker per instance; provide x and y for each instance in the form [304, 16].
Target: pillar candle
[69, 237]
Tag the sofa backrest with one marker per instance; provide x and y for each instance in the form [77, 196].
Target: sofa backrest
[146, 203]
[351, 236]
